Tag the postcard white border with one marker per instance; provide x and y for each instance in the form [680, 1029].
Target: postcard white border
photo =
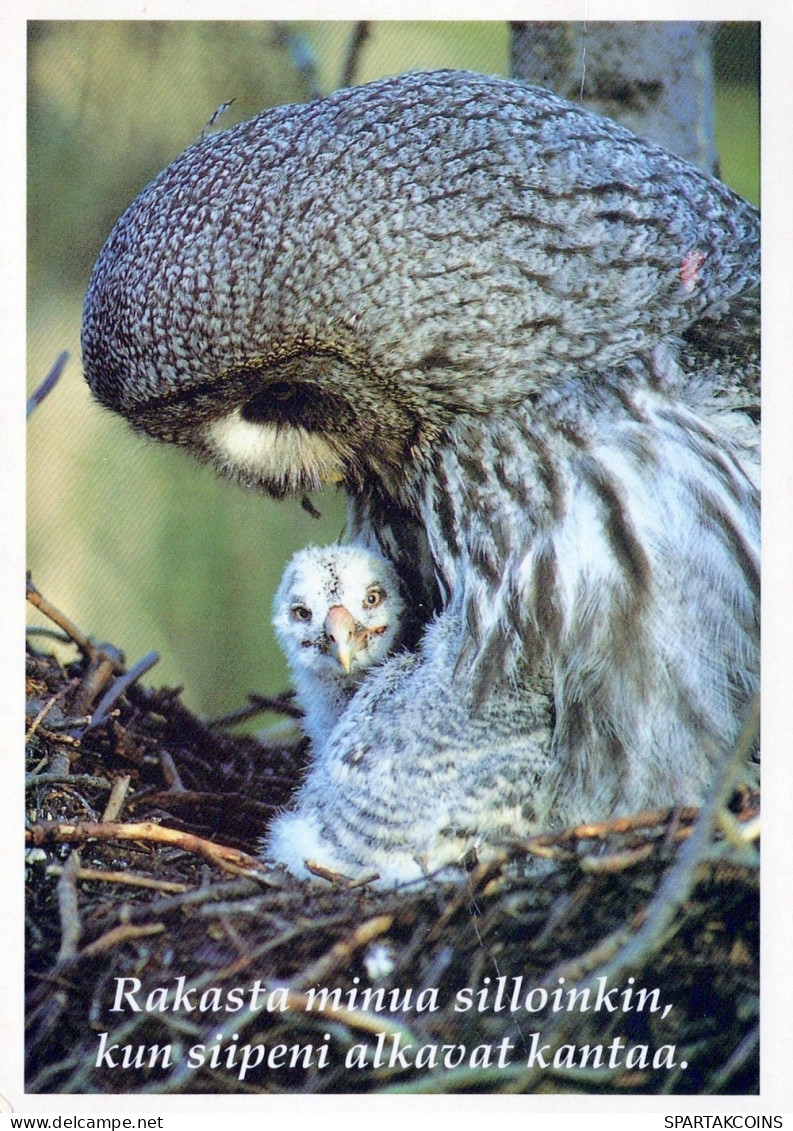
[776, 17]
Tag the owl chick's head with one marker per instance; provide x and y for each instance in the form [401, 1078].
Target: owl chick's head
[337, 611]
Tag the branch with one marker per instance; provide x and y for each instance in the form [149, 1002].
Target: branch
[229, 859]
[48, 384]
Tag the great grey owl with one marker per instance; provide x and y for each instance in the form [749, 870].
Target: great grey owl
[526, 343]
[337, 613]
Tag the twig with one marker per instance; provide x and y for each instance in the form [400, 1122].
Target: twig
[374, 1023]
[170, 773]
[721, 1078]
[99, 876]
[616, 861]
[48, 384]
[67, 779]
[176, 798]
[359, 36]
[257, 704]
[98, 676]
[341, 952]
[466, 891]
[119, 687]
[194, 898]
[45, 710]
[86, 646]
[338, 878]
[75, 722]
[118, 935]
[229, 859]
[118, 795]
[69, 909]
[51, 633]
[599, 830]
[61, 739]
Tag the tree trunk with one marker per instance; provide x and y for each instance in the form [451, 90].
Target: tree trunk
[653, 77]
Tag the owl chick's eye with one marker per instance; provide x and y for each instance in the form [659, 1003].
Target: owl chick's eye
[374, 597]
[301, 613]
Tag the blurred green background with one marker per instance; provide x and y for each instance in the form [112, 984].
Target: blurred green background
[135, 542]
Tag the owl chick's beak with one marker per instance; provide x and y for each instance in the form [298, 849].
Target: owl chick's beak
[340, 629]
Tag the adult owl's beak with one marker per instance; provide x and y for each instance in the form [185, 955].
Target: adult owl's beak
[340, 630]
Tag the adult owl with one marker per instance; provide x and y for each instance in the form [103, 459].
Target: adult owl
[526, 343]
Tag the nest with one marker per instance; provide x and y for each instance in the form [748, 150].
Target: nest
[163, 957]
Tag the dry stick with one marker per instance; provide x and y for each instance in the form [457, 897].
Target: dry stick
[118, 935]
[599, 830]
[170, 773]
[96, 679]
[739, 830]
[51, 633]
[86, 646]
[61, 739]
[196, 897]
[359, 36]
[229, 859]
[69, 910]
[467, 888]
[362, 1019]
[176, 798]
[745, 1049]
[338, 878]
[97, 875]
[67, 779]
[118, 795]
[48, 384]
[73, 722]
[45, 710]
[616, 861]
[342, 951]
[257, 704]
[123, 682]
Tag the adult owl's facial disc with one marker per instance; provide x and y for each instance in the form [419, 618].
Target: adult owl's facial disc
[277, 455]
[337, 611]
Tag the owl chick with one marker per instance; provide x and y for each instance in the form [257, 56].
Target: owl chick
[336, 614]
[412, 781]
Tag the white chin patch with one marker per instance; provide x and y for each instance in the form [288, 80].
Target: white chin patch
[290, 457]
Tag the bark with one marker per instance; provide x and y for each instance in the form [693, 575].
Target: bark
[653, 77]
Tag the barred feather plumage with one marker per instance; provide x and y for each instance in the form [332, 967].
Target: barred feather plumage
[527, 342]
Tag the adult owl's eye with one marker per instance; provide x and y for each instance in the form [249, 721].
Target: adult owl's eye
[300, 612]
[374, 597]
